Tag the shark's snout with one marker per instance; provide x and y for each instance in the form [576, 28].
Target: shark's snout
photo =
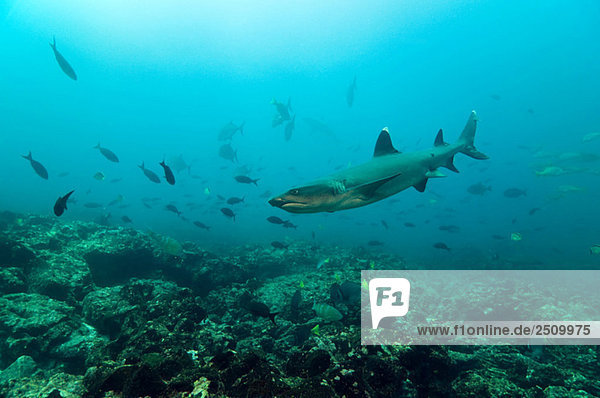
[277, 202]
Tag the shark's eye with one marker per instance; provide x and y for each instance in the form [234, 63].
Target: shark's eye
[294, 192]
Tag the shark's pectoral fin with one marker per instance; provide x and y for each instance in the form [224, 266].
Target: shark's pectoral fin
[369, 189]
[434, 174]
[421, 185]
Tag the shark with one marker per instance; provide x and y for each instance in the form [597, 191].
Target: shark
[387, 173]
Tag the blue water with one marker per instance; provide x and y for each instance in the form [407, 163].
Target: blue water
[160, 79]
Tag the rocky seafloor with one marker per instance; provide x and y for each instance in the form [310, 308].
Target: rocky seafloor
[95, 311]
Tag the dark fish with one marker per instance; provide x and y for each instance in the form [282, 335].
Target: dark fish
[150, 174]
[283, 110]
[114, 180]
[168, 173]
[201, 225]
[107, 153]
[256, 307]
[221, 197]
[350, 93]
[534, 210]
[126, 220]
[93, 205]
[514, 193]
[498, 237]
[228, 213]
[441, 246]
[479, 189]
[227, 152]
[409, 225]
[61, 204]
[228, 131]
[289, 128]
[246, 180]
[495, 97]
[449, 228]
[63, 174]
[62, 62]
[234, 200]
[173, 209]
[375, 243]
[146, 205]
[385, 225]
[347, 292]
[275, 220]
[288, 224]
[279, 245]
[37, 166]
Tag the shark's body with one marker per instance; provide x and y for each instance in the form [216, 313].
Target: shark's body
[386, 174]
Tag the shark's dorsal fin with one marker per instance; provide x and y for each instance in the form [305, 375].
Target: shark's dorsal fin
[368, 190]
[384, 144]
[439, 139]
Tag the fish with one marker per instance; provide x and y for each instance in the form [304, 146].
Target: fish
[228, 131]
[168, 173]
[62, 62]
[179, 164]
[152, 176]
[115, 180]
[495, 97]
[61, 204]
[478, 189]
[256, 307]
[289, 128]
[441, 246]
[534, 210]
[347, 292]
[516, 237]
[201, 225]
[375, 243]
[409, 225]
[350, 93]
[283, 110]
[498, 237]
[107, 153]
[173, 209]
[514, 193]
[63, 174]
[99, 176]
[551, 171]
[227, 152]
[385, 225]
[235, 200]
[246, 180]
[386, 174]
[288, 224]
[295, 303]
[37, 166]
[589, 137]
[126, 220]
[275, 220]
[327, 312]
[449, 228]
[228, 213]
[265, 195]
[117, 200]
[93, 205]
[595, 249]
[278, 245]
[321, 263]
[318, 127]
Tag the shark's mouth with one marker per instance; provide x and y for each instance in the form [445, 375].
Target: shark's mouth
[282, 203]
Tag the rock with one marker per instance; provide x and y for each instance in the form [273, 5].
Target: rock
[22, 367]
[12, 280]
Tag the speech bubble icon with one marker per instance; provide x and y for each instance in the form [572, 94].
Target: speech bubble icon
[388, 297]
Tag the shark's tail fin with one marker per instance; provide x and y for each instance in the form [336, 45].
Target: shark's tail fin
[467, 138]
